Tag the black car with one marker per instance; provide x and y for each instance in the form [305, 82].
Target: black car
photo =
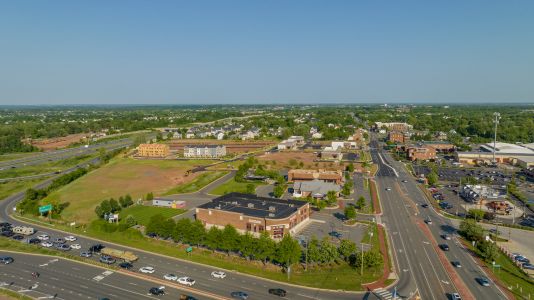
[156, 291]
[278, 292]
[62, 247]
[424, 205]
[18, 237]
[6, 260]
[5, 224]
[34, 241]
[96, 248]
[152, 235]
[8, 233]
[126, 265]
[456, 264]
[444, 247]
[335, 234]
[239, 295]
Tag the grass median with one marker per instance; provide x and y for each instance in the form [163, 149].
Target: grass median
[233, 186]
[197, 184]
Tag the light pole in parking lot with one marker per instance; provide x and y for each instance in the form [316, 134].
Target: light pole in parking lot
[496, 121]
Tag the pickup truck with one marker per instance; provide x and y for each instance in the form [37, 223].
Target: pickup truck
[23, 230]
[120, 254]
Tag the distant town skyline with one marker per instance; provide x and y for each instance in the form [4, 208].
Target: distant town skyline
[255, 52]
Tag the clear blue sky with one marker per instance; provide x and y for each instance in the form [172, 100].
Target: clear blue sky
[178, 52]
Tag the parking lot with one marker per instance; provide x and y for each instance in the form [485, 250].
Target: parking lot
[491, 176]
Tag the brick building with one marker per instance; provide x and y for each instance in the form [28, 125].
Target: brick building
[308, 175]
[249, 213]
[153, 150]
[421, 153]
[397, 137]
[205, 151]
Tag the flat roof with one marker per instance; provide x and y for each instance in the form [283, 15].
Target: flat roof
[254, 206]
[506, 148]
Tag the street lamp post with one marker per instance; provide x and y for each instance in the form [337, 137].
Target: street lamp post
[496, 121]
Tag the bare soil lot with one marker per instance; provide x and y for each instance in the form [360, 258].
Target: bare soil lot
[232, 147]
[59, 142]
[287, 160]
[120, 177]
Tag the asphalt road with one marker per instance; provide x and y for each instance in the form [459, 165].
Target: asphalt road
[416, 257]
[256, 287]
[64, 279]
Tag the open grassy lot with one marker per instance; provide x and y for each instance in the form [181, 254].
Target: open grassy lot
[142, 213]
[12, 187]
[233, 186]
[119, 177]
[200, 181]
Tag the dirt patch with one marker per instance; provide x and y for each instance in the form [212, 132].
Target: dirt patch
[231, 146]
[59, 142]
[283, 160]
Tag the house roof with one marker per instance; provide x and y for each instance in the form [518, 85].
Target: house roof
[254, 206]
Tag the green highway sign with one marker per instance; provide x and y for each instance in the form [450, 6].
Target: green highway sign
[45, 208]
[189, 249]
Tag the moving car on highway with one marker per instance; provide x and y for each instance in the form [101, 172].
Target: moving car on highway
[171, 277]
[278, 292]
[147, 270]
[186, 281]
[6, 260]
[157, 291]
[483, 281]
[218, 274]
[239, 295]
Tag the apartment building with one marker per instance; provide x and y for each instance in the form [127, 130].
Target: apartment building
[205, 151]
[153, 150]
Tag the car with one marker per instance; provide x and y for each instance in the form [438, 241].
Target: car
[59, 241]
[107, 259]
[63, 247]
[444, 247]
[170, 277]
[70, 238]
[76, 246]
[6, 260]
[147, 270]
[388, 189]
[428, 221]
[218, 274]
[5, 224]
[456, 264]
[86, 254]
[522, 259]
[157, 291]
[528, 266]
[424, 205]
[18, 237]
[186, 281]
[404, 180]
[96, 248]
[43, 237]
[8, 233]
[34, 241]
[483, 281]
[278, 292]
[126, 265]
[446, 237]
[239, 295]
[455, 296]
[47, 244]
[335, 234]
[152, 235]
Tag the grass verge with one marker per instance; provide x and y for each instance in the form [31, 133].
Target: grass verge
[197, 184]
[335, 277]
[12, 187]
[9, 294]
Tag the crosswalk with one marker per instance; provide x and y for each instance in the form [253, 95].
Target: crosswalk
[383, 294]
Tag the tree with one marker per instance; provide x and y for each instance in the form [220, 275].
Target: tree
[432, 178]
[328, 251]
[346, 249]
[230, 239]
[331, 197]
[471, 230]
[279, 190]
[247, 245]
[476, 214]
[98, 211]
[115, 207]
[180, 230]
[314, 251]
[266, 247]
[372, 259]
[350, 167]
[361, 202]
[130, 221]
[214, 238]
[121, 202]
[488, 250]
[347, 187]
[196, 235]
[155, 224]
[167, 228]
[288, 251]
[350, 212]
[105, 207]
[128, 200]
[150, 196]
[251, 189]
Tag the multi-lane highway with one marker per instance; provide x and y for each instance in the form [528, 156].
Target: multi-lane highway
[65, 279]
[417, 259]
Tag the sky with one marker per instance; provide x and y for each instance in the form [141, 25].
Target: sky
[252, 51]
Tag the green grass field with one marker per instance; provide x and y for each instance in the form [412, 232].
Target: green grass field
[233, 186]
[142, 214]
[119, 177]
[12, 187]
[201, 181]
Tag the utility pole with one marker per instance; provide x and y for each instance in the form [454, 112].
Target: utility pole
[497, 117]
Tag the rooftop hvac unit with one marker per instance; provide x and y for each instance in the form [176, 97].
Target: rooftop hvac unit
[271, 215]
[250, 205]
[272, 208]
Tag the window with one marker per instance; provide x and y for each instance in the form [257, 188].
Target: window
[249, 227]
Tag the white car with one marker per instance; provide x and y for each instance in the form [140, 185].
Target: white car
[388, 189]
[456, 296]
[170, 277]
[76, 246]
[47, 244]
[70, 238]
[43, 237]
[218, 274]
[147, 270]
[186, 281]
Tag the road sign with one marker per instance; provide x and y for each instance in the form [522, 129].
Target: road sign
[189, 249]
[45, 208]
